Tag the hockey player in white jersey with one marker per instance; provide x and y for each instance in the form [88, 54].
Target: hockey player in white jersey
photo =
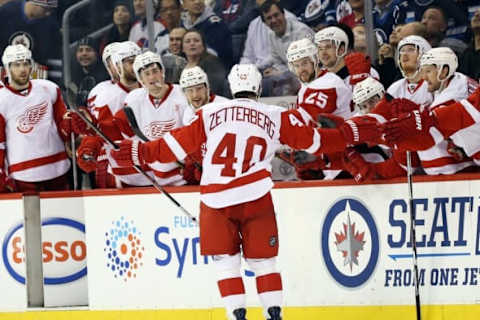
[321, 92]
[439, 67]
[104, 101]
[413, 87]
[158, 107]
[236, 210]
[34, 125]
[458, 121]
[334, 44]
[195, 85]
[112, 71]
[104, 104]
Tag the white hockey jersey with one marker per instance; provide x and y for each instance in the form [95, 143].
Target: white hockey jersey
[241, 138]
[416, 92]
[437, 160]
[28, 131]
[106, 98]
[155, 117]
[326, 94]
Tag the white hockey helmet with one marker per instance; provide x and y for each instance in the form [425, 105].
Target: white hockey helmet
[420, 44]
[301, 49]
[108, 51]
[123, 51]
[193, 76]
[145, 59]
[245, 77]
[335, 34]
[13, 53]
[440, 57]
[367, 89]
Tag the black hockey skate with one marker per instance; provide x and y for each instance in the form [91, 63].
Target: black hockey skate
[274, 313]
[240, 314]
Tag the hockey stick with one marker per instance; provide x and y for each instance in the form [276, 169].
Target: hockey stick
[137, 168]
[413, 236]
[136, 129]
[412, 228]
[134, 124]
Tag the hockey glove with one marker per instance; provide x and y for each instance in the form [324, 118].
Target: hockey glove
[6, 184]
[407, 126]
[402, 105]
[129, 154]
[78, 125]
[358, 66]
[360, 130]
[88, 152]
[356, 165]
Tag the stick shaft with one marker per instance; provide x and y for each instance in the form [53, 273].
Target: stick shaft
[413, 236]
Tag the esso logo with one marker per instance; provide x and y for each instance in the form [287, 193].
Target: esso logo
[13, 253]
[63, 251]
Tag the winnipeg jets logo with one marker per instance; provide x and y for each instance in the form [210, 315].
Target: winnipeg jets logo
[33, 115]
[156, 129]
[349, 242]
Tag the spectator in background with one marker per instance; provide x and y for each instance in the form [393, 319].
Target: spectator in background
[318, 15]
[470, 60]
[217, 35]
[87, 69]
[435, 20]
[357, 15]
[410, 29]
[283, 32]
[32, 24]
[237, 15]
[169, 13]
[360, 40]
[386, 64]
[139, 32]
[194, 47]
[387, 14]
[122, 23]
[257, 49]
[2, 2]
[173, 58]
[175, 42]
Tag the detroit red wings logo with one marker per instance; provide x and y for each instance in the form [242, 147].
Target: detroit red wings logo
[33, 115]
[156, 129]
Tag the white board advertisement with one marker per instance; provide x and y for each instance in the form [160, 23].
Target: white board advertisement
[64, 251]
[12, 269]
[339, 245]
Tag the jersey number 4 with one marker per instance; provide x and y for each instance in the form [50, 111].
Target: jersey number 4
[225, 153]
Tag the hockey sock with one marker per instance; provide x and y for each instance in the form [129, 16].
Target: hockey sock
[230, 283]
[269, 283]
